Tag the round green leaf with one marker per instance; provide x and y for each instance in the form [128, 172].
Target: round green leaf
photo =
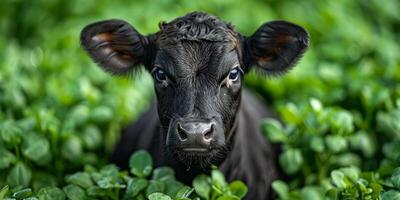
[4, 192]
[36, 148]
[184, 192]
[172, 187]
[80, 178]
[141, 164]
[281, 188]
[74, 192]
[51, 193]
[273, 130]
[135, 185]
[391, 195]
[10, 133]
[238, 188]
[22, 194]
[291, 160]
[338, 179]
[336, 143]
[317, 144]
[163, 174]
[395, 179]
[72, 149]
[155, 186]
[6, 158]
[159, 196]
[20, 175]
[202, 186]
[313, 193]
[218, 179]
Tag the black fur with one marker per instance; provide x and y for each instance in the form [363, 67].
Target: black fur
[197, 53]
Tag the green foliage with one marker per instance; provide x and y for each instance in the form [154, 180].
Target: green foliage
[111, 183]
[339, 108]
[340, 137]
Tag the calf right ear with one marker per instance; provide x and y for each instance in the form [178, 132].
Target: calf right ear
[114, 45]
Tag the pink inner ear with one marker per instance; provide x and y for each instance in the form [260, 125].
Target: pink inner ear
[283, 38]
[102, 37]
[263, 60]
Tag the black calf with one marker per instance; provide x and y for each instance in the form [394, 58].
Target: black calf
[201, 116]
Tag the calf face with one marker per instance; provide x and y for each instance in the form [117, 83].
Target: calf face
[198, 64]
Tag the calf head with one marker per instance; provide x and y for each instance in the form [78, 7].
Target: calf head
[198, 63]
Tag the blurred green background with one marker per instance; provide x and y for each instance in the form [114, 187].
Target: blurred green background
[59, 111]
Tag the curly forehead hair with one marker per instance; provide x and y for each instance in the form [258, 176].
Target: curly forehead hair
[196, 26]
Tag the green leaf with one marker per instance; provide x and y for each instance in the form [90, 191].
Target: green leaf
[159, 196]
[81, 179]
[10, 133]
[238, 188]
[316, 105]
[362, 141]
[163, 174]
[74, 192]
[135, 185]
[155, 186]
[336, 143]
[141, 164]
[273, 130]
[291, 114]
[20, 175]
[172, 187]
[395, 179]
[184, 192]
[51, 193]
[92, 137]
[4, 192]
[96, 191]
[202, 187]
[391, 195]
[291, 160]
[317, 144]
[338, 179]
[227, 197]
[343, 122]
[42, 179]
[36, 148]
[281, 188]
[101, 114]
[72, 149]
[388, 123]
[6, 158]
[22, 194]
[332, 194]
[311, 192]
[218, 179]
[351, 172]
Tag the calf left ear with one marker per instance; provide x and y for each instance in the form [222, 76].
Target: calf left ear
[276, 46]
[115, 45]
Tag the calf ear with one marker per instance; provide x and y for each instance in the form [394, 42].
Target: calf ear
[276, 46]
[114, 44]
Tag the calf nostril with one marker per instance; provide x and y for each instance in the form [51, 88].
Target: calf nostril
[182, 133]
[209, 133]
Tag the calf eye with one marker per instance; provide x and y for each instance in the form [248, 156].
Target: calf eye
[160, 75]
[234, 74]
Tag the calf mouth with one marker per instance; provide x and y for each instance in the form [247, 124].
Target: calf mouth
[195, 149]
[199, 157]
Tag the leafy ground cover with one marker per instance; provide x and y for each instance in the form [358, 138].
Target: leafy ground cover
[339, 109]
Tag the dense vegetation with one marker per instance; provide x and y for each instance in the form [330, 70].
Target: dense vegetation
[60, 115]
